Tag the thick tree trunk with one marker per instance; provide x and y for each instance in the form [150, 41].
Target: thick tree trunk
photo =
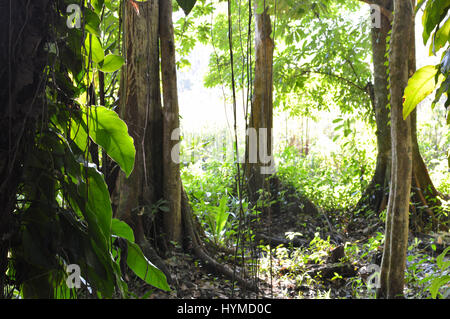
[171, 180]
[259, 161]
[397, 220]
[141, 109]
[375, 196]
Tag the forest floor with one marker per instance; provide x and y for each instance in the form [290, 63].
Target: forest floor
[330, 257]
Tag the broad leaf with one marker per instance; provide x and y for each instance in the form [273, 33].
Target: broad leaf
[98, 211]
[434, 11]
[442, 36]
[420, 85]
[441, 263]
[111, 63]
[144, 269]
[93, 48]
[92, 22]
[110, 132]
[122, 229]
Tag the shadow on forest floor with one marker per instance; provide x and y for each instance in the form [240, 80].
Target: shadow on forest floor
[329, 257]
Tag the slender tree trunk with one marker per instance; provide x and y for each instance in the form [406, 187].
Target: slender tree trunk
[259, 161]
[171, 180]
[376, 193]
[397, 220]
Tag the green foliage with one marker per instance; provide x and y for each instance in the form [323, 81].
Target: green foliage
[64, 213]
[422, 82]
[332, 183]
[221, 217]
[191, 29]
[441, 279]
[420, 85]
[136, 260]
[144, 269]
[209, 189]
[435, 11]
[325, 60]
[111, 63]
[108, 131]
[93, 49]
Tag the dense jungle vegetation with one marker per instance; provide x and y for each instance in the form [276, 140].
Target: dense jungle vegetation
[156, 149]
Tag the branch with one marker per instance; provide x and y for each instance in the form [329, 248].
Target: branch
[351, 65]
[335, 76]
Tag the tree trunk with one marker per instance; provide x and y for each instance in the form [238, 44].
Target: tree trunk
[424, 193]
[140, 108]
[259, 161]
[154, 129]
[397, 220]
[375, 196]
[171, 178]
[24, 31]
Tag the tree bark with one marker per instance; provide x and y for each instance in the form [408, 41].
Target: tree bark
[171, 180]
[259, 161]
[397, 220]
[375, 196]
[141, 109]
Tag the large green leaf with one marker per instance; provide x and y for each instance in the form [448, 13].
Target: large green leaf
[434, 11]
[122, 229]
[111, 63]
[91, 199]
[420, 85]
[98, 201]
[144, 269]
[442, 37]
[109, 131]
[92, 22]
[88, 196]
[136, 260]
[93, 48]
